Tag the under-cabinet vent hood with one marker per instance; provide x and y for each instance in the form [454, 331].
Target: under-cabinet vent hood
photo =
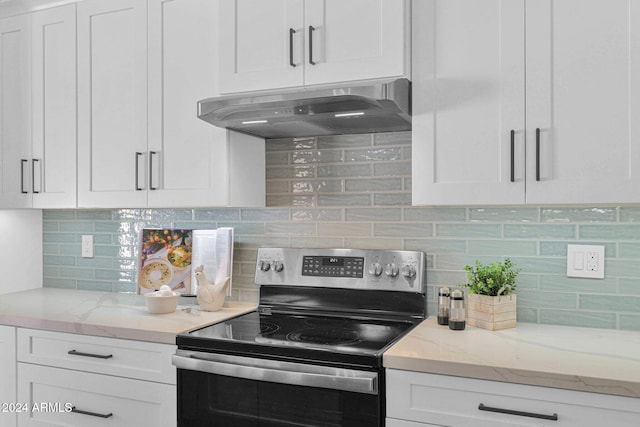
[376, 107]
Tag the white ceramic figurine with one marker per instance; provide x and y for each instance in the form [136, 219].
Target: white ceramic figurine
[210, 297]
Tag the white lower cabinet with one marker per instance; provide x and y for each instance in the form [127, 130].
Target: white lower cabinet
[7, 375]
[420, 399]
[79, 380]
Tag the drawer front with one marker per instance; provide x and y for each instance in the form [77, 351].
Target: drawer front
[392, 422]
[111, 356]
[100, 400]
[455, 401]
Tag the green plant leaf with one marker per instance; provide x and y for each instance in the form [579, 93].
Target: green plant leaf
[489, 279]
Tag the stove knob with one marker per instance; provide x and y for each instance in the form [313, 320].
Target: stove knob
[265, 265]
[409, 271]
[278, 266]
[391, 270]
[375, 269]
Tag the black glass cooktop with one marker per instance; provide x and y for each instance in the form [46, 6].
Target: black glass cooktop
[316, 336]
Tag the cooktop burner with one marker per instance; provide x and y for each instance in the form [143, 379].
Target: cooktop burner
[325, 336]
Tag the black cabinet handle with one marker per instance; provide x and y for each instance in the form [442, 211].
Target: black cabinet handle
[33, 175]
[138, 154]
[311, 30]
[553, 417]
[97, 356]
[22, 162]
[513, 156]
[291, 33]
[151, 154]
[537, 154]
[93, 414]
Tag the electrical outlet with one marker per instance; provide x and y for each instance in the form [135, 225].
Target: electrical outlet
[87, 246]
[585, 261]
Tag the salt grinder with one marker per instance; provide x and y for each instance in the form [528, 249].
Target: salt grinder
[443, 306]
[457, 317]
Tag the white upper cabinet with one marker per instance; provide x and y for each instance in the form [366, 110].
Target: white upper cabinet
[143, 66]
[580, 143]
[288, 43]
[583, 93]
[112, 103]
[38, 104]
[468, 95]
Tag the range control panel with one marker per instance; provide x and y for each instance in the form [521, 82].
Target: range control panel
[342, 268]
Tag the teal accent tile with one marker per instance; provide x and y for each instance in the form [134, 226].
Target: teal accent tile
[508, 214]
[539, 231]
[127, 276]
[50, 249]
[58, 214]
[630, 214]
[315, 156]
[77, 273]
[629, 286]
[341, 141]
[395, 229]
[503, 247]
[610, 232]
[108, 251]
[392, 199]
[316, 242]
[70, 250]
[627, 250]
[277, 158]
[50, 226]
[245, 228]
[398, 168]
[216, 214]
[527, 314]
[373, 184]
[539, 265]
[290, 172]
[578, 285]
[621, 268]
[469, 230]
[373, 214]
[435, 214]
[345, 171]
[392, 138]
[289, 228]
[264, 214]
[549, 248]
[58, 238]
[408, 184]
[316, 186]
[581, 214]
[255, 242]
[527, 281]
[578, 318]
[446, 278]
[435, 246]
[194, 225]
[94, 215]
[617, 304]
[48, 271]
[324, 214]
[60, 283]
[539, 299]
[334, 200]
[288, 144]
[372, 243]
[458, 262]
[124, 287]
[111, 227]
[629, 322]
[97, 286]
[373, 154]
[100, 262]
[295, 200]
[345, 229]
[55, 260]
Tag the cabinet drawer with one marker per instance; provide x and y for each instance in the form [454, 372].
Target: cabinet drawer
[103, 400]
[111, 356]
[454, 401]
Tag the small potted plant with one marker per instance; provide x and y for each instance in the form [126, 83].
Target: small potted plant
[492, 303]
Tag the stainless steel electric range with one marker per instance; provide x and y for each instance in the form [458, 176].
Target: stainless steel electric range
[311, 354]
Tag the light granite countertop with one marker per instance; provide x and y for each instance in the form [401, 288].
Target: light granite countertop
[583, 359]
[107, 314]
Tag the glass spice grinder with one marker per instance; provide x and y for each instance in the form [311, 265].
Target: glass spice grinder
[457, 316]
[443, 306]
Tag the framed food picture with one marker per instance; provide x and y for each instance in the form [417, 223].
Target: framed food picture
[165, 259]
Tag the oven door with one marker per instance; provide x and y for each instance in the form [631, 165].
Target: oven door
[222, 390]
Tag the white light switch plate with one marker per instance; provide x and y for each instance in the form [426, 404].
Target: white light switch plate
[585, 261]
[87, 246]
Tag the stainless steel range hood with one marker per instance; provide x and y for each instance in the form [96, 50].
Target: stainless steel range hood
[376, 107]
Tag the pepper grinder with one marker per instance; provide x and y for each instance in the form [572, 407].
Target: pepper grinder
[457, 316]
[443, 306]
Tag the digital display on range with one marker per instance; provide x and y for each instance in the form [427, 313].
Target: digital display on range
[325, 266]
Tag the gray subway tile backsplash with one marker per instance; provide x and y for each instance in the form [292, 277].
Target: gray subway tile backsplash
[355, 191]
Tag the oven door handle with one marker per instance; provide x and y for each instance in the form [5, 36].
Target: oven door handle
[278, 372]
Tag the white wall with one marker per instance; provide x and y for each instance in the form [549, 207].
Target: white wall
[20, 250]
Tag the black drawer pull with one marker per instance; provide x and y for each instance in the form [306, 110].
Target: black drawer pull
[513, 155]
[93, 414]
[553, 417]
[97, 356]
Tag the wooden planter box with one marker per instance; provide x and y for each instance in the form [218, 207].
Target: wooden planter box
[492, 313]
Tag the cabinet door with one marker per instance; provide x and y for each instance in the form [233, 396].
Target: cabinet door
[583, 93]
[7, 374]
[468, 97]
[53, 159]
[112, 103]
[187, 167]
[15, 112]
[261, 45]
[355, 40]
